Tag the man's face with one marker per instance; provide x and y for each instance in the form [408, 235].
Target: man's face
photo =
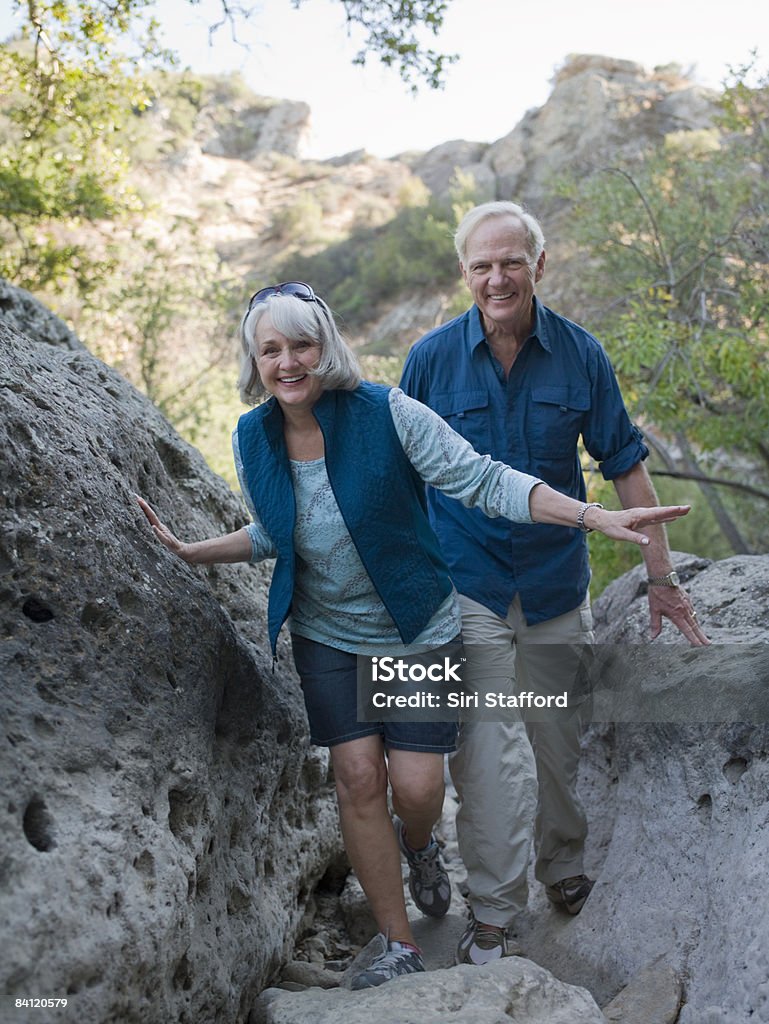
[499, 273]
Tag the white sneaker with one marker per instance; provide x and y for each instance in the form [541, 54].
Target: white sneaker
[482, 943]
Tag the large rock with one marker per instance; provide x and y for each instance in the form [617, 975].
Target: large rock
[600, 108]
[244, 130]
[21, 310]
[678, 828]
[731, 597]
[678, 810]
[509, 990]
[164, 818]
[438, 167]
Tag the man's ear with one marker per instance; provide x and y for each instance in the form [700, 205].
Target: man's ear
[539, 270]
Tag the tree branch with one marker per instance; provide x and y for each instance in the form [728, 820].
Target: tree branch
[701, 478]
[650, 215]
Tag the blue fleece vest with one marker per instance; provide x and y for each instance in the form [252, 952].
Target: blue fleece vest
[378, 491]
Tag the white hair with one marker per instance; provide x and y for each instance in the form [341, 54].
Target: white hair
[535, 239]
[297, 318]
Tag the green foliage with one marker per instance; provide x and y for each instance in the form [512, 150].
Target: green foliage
[71, 86]
[67, 93]
[382, 369]
[300, 219]
[679, 246]
[76, 88]
[391, 28]
[221, 408]
[167, 325]
[356, 276]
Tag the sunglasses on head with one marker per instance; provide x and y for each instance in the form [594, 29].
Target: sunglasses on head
[297, 288]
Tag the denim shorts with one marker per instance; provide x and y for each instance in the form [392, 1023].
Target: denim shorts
[329, 679]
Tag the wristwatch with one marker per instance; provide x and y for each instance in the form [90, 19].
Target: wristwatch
[671, 580]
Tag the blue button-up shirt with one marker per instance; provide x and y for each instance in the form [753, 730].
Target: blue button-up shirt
[561, 387]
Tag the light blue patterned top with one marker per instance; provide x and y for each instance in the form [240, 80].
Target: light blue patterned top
[334, 599]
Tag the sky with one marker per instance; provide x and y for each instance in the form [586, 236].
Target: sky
[509, 51]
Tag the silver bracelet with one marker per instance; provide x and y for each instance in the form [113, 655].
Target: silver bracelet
[581, 515]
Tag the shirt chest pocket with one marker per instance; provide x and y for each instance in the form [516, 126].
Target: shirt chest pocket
[554, 420]
[467, 412]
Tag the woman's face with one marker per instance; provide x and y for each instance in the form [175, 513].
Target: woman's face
[283, 364]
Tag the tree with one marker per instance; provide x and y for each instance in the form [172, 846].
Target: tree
[679, 258]
[71, 87]
[67, 93]
[141, 290]
[391, 34]
[166, 325]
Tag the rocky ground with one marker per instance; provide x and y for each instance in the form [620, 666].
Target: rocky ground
[334, 948]
[168, 835]
[677, 809]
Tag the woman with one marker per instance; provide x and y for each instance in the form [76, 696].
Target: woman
[332, 469]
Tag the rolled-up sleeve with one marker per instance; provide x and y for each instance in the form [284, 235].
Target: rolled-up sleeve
[609, 435]
[261, 544]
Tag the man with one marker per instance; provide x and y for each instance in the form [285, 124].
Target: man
[523, 384]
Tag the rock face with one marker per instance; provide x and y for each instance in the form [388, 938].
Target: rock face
[269, 126]
[438, 166]
[678, 812]
[164, 820]
[599, 107]
[732, 596]
[21, 310]
[679, 818]
[509, 990]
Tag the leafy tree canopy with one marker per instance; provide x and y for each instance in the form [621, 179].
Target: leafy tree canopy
[391, 33]
[71, 84]
[679, 259]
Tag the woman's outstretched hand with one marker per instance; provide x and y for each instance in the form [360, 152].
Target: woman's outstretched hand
[161, 531]
[625, 524]
[231, 547]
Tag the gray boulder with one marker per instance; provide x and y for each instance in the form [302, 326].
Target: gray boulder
[513, 989]
[22, 311]
[164, 818]
[678, 807]
[730, 596]
[246, 130]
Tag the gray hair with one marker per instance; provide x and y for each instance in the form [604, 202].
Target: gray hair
[535, 239]
[297, 318]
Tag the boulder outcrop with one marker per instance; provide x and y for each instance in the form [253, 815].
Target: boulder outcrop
[678, 806]
[266, 126]
[673, 932]
[164, 818]
[509, 990]
[600, 108]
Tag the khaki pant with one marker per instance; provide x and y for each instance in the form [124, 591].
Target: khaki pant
[515, 776]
